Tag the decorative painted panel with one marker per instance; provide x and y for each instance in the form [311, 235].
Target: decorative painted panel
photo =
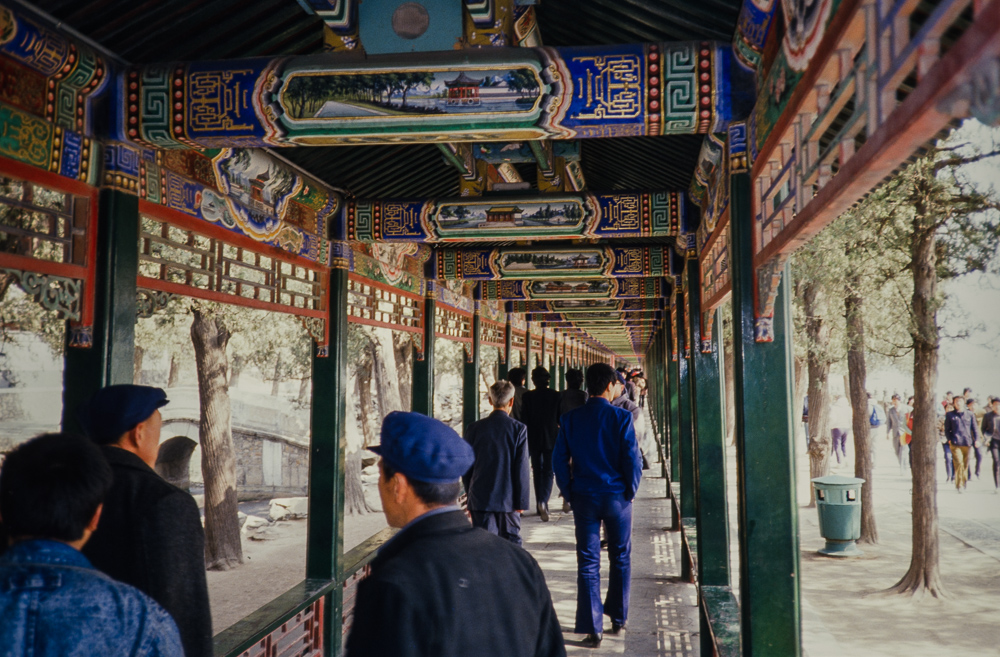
[72, 72]
[40, 143]
[452, 324]
[245, 191]
[527, 263]
[600, 288]
[485, 95]
[556, 216]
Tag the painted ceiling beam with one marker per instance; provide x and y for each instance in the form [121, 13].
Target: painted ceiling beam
[571, 306]
[594, 288]
[514, 263]
[486, 94]
[600, 315]
[510, 218]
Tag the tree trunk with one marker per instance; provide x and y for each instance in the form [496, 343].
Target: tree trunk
[799, 399]
[173, 377]
[819, 386]
[305, 388]
[354, 492]
[402, 344]
[727, 355]
[384, 370]
[235, 370]
[924, 574]
[276, 382]
[137, 357]
[223, 549]
[857, 375]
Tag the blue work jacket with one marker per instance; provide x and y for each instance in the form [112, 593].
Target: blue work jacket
[53, 602]
[600, 441]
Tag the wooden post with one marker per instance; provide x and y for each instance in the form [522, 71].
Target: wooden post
[673, 403]
[110, 361]
[768, 513]
[423, 368]
[470, 376]
[684, 409]
[709, 431]
[327, 459]
[504, 366]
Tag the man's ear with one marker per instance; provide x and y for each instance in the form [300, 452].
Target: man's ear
[92, 525]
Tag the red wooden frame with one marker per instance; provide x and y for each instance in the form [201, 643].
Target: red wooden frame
[87, 272]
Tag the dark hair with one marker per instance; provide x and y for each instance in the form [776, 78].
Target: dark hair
[966, 390]
[51, 486]
[574, 378]
[540, 377]
[957, 397]
[516, 376]
[429, 494]
[599, 377]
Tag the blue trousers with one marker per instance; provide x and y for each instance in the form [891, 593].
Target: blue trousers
[541, 472]
[589, 511]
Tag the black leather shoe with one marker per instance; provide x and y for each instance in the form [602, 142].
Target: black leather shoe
[617, 628]
[592, 640]
[543, 511]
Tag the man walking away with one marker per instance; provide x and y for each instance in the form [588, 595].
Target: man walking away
[971, 405]
[498, 481]
[962, 431]
[150, 534]
[440, 587]
[638, 423]
[53, 602]
[991, 428]
[540, 413]
[572, 397]
[599, 441]
[516, 377]
[894, 430]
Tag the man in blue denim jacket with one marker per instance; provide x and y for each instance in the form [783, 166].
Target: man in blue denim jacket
[52, 600]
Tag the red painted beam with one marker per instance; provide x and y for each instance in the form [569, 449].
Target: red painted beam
[221, 297]
[911, 125]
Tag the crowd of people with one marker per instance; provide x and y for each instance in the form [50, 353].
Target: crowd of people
[100, 555]
[965, 429]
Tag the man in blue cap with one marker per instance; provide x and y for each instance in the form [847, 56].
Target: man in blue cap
[150, 533]
[441, 588]
[598, 468]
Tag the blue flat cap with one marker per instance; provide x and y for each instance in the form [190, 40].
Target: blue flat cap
[114, 410]
[621, 378]
[423, 448]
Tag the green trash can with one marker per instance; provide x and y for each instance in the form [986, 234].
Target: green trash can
[838, 501]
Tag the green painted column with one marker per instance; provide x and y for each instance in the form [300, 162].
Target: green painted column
[327, 458]
[527, 357]
[709, 430]
[768, 513]
[504, 365]
[110, 359]
[674, 405]
[423, 368]
[470, 376]
[684, 417]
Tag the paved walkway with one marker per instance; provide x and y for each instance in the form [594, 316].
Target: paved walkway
[663, 617]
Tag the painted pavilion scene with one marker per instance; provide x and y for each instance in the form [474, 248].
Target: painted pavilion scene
[243, 239]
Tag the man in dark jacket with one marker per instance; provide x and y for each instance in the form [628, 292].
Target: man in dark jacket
[498, 481]
[150, 533]
[598, 468]
[440, 587]
[516, 377]
[572, 397]
[540, 413]
[962, 431]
